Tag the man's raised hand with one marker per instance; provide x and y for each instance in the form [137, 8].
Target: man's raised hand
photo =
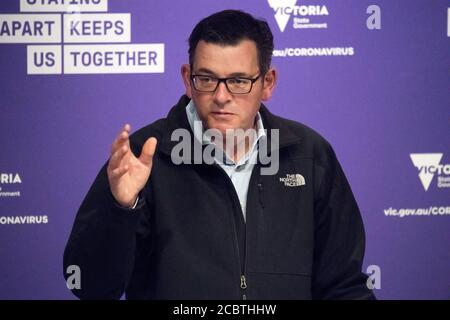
[128, 174]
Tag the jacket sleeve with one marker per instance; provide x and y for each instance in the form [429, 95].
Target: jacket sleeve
[102, 242]
[339, 237]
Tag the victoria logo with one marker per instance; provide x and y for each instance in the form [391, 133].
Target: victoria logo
[428, 165]
[10, 178]
[10, 181]
[284, 9]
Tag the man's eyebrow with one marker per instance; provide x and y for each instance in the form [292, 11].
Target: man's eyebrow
[235, 74]
[240, 74]
[205, 70]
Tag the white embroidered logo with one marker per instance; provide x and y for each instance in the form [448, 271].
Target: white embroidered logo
[293, 180]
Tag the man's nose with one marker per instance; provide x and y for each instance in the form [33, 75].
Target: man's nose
[222, 95]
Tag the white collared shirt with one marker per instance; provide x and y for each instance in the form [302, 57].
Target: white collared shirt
[241, 171]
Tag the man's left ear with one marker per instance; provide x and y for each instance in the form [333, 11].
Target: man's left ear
[270, 79]
[185, 75]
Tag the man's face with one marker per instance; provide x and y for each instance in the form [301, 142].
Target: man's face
[221, 109]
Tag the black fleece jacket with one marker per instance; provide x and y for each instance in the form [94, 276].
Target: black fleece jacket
[187, 239]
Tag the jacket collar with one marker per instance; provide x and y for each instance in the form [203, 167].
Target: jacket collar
[177, 118]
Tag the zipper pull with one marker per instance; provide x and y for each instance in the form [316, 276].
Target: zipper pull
[243, 282]
[243, 286]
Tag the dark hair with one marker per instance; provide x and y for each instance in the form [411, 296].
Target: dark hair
[230, 27]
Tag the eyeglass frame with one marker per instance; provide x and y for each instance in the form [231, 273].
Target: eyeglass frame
[224, 80]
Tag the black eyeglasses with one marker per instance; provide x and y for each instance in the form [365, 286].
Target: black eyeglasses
[237, 85]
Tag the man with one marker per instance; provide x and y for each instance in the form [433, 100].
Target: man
[156, 227]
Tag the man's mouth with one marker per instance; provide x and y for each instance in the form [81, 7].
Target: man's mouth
[222, 113]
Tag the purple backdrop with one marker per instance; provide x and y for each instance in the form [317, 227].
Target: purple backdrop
[377, 89]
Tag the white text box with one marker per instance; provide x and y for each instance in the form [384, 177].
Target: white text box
[30, 28]
[86, 28]
[44, 59]
[63, 6]
[116, 58]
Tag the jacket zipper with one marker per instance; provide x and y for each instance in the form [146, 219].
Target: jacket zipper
[243, 286]
[242, 271]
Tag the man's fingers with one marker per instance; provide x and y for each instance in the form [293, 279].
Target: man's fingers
[127, 128]
[148, 150]
[122, 138]
[117, 157]
[118, 172]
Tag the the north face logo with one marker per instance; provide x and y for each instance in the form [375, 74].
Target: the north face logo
[293, 180]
